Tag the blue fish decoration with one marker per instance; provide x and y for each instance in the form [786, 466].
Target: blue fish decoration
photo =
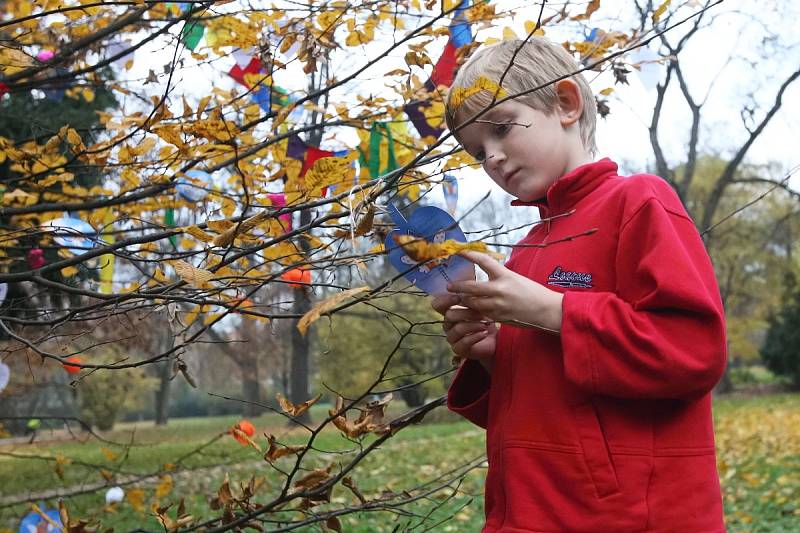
[435, 226]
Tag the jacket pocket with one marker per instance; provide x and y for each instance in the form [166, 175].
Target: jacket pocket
[595, 450]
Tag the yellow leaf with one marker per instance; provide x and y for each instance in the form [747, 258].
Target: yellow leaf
[199, 234]
[190, 274]
[69, 271]
[660, 10]
[460, 94]
[135, 497]
[530, 25]
[325, 306]
[508, 34]
[164, 487]
[72, 136]
[421, 250]
[219, 225]
[110, 455]
[607, 91]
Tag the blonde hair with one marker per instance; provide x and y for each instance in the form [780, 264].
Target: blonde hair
[537, 62]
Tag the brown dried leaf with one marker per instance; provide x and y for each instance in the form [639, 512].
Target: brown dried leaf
[276, 451]
[194, 276]
[296, 409]
[314, 478]
[325, 306]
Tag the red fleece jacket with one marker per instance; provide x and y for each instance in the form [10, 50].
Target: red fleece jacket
[607, 427]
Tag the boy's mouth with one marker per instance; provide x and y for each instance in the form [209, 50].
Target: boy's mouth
[510, 175]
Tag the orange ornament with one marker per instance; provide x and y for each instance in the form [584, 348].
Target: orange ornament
[72, 369]
[296, 277]
[245, 427]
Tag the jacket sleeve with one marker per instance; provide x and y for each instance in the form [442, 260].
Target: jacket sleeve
[468, 394]
[661, 334]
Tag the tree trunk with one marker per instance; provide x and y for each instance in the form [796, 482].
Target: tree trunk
[251, 389]
[165, 375]
[299, 371]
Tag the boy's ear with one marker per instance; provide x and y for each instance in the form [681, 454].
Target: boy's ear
[570, 102]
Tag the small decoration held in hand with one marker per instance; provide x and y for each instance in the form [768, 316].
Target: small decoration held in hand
[427, 225]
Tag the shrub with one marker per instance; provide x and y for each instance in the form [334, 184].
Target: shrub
[781, 349]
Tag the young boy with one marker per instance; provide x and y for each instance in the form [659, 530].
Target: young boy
[595, 390]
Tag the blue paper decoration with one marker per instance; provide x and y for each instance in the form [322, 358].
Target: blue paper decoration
[433, 225]
[34, 523]
[192, 192]
[77, 235]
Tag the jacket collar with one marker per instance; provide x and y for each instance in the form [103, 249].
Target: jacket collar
[567, 190]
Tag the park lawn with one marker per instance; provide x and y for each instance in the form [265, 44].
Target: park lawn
[758, 441]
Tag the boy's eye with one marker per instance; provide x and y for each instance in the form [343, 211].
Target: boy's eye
[480, 156]
[502, 129]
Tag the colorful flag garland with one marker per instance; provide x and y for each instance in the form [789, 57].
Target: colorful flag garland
[443, 72]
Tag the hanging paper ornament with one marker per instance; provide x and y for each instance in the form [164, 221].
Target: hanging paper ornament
[193, 192]
[114, 495]
[72, 233]
[450, 190]
[433, 225]
[245, 427]
[279, 200]
[33, 424]
[36, 258]
[33, 522]
[115, 48]
[297, 277]
[72, 369]
[45, 55]
[5, 376]
[192, 33]
[4, 89]
[646, 64]
[3, 292]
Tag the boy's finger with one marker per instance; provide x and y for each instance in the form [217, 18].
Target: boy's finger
[443, 302]
[463, 314]
[473, 288]
[485, 262]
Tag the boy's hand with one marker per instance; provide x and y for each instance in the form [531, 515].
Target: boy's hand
[469, 333]
[509, 297]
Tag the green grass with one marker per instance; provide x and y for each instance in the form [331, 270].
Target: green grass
[758, 440]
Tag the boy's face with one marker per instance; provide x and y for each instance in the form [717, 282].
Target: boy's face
[522, 149]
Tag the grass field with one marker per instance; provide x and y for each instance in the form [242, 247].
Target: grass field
[758, 441]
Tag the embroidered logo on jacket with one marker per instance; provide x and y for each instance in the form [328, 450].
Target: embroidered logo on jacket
[564, 278]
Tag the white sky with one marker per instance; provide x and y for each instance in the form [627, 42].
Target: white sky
[726, 53]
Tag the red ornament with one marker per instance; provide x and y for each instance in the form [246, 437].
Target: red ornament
[72, 369]
[245, 427]
[4, 89]
[297, 277]
[36, 258]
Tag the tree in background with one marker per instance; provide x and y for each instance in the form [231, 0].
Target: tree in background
[781, 349]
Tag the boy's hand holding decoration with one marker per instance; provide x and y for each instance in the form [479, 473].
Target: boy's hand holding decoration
[508, 297]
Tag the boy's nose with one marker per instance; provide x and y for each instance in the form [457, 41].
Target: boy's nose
[495, 159]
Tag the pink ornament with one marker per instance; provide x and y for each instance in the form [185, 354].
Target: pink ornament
[279, 200]
[45, 55]
[36, 258]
